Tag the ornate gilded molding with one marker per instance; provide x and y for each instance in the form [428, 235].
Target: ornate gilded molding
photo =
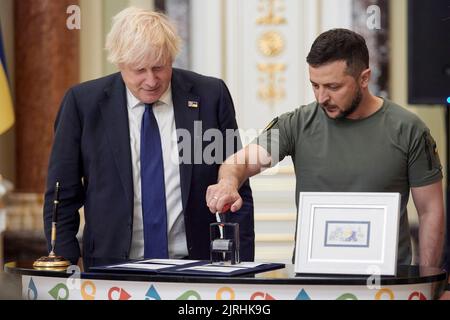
[271, 10]
[271, 44]
[271, 87]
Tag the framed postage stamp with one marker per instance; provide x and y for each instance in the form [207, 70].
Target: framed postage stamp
[347, 233]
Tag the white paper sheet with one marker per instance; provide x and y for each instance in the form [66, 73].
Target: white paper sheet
[177, 262]
[211, 268]
[142, 266]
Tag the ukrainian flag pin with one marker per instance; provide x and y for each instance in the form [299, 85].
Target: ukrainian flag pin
[192, 104]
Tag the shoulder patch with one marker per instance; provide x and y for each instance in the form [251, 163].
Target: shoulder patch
[271, 124]
[431, 152]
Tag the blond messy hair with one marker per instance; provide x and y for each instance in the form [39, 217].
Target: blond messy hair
[138, 36]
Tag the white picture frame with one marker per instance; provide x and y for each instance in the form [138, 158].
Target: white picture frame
[347, 233]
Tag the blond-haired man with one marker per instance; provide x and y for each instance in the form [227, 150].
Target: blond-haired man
[117, 152]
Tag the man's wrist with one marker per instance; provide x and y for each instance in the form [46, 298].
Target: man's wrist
[230, 181]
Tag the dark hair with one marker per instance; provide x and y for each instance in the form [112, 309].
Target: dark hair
[340, 44]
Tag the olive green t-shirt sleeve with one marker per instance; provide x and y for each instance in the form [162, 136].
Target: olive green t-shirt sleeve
[279, 137]
[424, 166]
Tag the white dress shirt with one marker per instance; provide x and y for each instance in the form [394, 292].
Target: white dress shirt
[164, 114]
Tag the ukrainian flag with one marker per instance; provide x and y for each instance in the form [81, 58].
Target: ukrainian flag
[6, 104]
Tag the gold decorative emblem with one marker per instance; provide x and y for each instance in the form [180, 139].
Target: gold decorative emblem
[269, 7]
[271, 89]
[271, 43]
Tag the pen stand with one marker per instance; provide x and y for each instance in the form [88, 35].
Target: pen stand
[51, 262]
[224, 245]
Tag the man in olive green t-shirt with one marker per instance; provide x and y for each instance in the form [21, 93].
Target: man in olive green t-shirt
[348, 141]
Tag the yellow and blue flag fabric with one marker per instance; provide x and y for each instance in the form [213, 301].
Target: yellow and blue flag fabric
[6, 104]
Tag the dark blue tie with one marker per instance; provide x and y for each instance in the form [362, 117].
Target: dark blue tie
[153, 192]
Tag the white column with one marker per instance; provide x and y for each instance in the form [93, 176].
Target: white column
[311, 29]
[91, 40]
[144, 4]
[206, 37]
[335, 14]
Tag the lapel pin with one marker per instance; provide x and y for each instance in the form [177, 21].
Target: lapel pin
[192, 104]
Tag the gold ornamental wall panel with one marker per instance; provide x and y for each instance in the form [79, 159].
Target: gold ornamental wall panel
[270, 45]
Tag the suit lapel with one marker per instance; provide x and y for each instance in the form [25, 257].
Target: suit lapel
[186, 110]
[115, 116]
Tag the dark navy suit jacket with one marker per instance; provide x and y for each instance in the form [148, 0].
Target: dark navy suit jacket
[91, 158]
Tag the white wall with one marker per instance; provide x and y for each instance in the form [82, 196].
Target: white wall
[207, 37]
[91, 40]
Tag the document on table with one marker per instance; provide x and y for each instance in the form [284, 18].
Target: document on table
[212, 268]
[188, 267]
[241, 265]
[142, 266]
[176, 262]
